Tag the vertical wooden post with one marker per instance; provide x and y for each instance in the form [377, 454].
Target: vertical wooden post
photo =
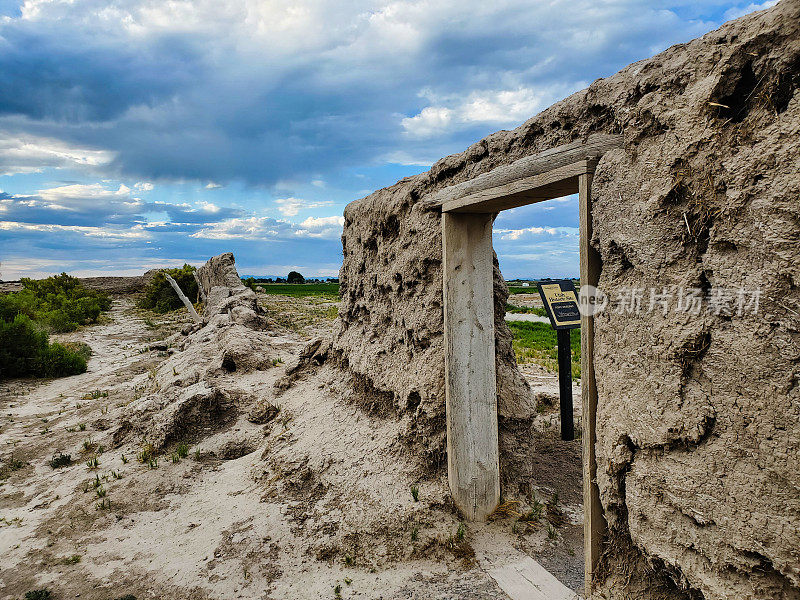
[473, 466]
[186, 302]
[594, 524]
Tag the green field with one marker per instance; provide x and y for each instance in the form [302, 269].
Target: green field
[527, 310]
[536, 342]
[298, 290]
[514, 289]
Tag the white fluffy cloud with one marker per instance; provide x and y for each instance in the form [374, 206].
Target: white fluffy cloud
[208, 207]
[84, 197]
[490, 107]
[531, 232]
[323, 222]
[290, 207]
[108, 233]
[26, 153]
[267, 228]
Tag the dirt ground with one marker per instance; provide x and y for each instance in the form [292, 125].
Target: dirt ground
[317, 503]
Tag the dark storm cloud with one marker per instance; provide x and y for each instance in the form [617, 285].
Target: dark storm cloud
[200, 95]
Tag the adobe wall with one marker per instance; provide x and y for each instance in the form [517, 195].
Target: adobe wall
[698, 432]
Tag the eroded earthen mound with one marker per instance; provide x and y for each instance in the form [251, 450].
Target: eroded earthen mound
[191, 395]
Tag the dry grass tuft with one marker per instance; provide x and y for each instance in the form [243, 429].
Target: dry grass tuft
[505, 510]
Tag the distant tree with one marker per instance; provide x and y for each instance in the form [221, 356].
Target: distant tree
[295, 277]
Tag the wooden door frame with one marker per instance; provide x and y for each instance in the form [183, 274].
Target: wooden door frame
[468, 211]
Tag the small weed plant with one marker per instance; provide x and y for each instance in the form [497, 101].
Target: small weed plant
[60, 460]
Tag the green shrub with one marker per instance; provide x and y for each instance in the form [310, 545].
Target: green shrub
[529, 310]
[21, 346]
[60, 460]
[58, 361]
[38, 595]
[82, 349]
[60, 302]
[25, 350]
[12, 305]
[159, 295]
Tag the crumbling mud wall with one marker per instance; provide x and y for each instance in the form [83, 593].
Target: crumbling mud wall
[191, 395]
[698, 431]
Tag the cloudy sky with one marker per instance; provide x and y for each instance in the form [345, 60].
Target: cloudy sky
[143, 133]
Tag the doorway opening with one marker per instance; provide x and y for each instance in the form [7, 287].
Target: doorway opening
[543, 470]
[468, 213]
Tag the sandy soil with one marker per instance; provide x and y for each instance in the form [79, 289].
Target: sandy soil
[314, 504]
[526, 300]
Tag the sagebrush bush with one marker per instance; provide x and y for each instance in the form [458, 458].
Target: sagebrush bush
[25, 350]
[60, 303]
[12, 305]
[159, 295]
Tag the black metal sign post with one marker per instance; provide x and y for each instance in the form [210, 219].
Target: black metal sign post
[561, 303]
[565, 384]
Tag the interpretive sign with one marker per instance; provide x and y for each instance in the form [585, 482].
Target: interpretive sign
[561, 303]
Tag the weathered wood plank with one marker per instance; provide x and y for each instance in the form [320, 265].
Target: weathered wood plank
[186, 302]
[556, 183]
[555, 158]
[526, 579]
[594, 524]
[470, 383]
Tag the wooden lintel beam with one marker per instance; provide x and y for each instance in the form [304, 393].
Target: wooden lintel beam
[555, 183]
[586, 151]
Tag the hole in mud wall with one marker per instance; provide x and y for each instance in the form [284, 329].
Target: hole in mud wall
[413, 401]
[736, 103]
[228, 364]
[786, 85]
